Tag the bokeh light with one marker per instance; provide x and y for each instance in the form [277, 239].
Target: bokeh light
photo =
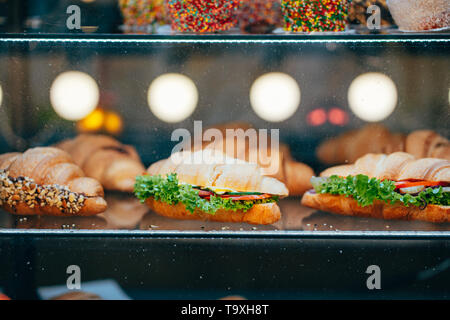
[372, 96]
[113, 122]
[74, 95]
[1, 95]
[93, 122]
[337, 116]
[317, 117]
[172, 97]
[275, 96]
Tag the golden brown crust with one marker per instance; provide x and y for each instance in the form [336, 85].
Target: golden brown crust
[397, 166]
[267, 213]
[45, 181]
[348, 206]
[105, 159]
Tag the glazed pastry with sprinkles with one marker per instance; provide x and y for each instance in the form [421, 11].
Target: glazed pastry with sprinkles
[45, 181]
[315, 15]
[138, 13]
[202, 15]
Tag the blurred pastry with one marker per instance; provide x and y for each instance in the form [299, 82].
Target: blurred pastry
[260, 16]
[77, 295]
[104, 158]
[375, 138]
[420, 15]
[275, 162]
[357, 12]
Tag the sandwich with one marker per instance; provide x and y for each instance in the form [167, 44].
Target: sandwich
[395, 186]
[209, 185]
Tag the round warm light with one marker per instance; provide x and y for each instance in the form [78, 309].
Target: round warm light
[74, 95]
[1, 95]
[113, 122]
[93, 122]
[372, 96]
[172, 97]
[275, 96]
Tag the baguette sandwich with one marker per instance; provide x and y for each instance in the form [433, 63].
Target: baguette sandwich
[208, 185]
[395, 186]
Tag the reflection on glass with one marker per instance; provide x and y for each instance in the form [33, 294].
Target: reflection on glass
[74, 95]
[172, 97]
[372, 96]
[275, 96]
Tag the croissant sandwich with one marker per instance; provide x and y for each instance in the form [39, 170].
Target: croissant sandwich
[209, 185]
[45, 181]
[105, 159]
[395, 186]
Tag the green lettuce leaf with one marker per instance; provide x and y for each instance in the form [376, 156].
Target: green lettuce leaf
[167, 189]
[366, 190]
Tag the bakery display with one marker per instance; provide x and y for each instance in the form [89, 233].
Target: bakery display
[420, 15]
[375, 138]
[142, 13]
[259, 16]
[395, 186]
[209, 185]
[46, 181]
[202, 15]
[275, 162]
[104, 158]
[315, 15]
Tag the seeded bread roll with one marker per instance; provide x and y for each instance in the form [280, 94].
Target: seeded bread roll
[105, 159]
[46, 181]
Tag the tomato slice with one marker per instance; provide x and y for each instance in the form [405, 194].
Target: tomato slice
[203, 193]
[407, 184]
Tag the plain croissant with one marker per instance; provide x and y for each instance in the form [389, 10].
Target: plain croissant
[104, 158]
[375, 138]
[46, 181]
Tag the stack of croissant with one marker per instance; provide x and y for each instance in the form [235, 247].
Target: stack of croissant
[375, 138]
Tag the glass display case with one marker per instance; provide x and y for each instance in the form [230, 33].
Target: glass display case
[151, 87]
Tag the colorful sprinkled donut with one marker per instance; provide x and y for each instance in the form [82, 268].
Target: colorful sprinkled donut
[315, 15]
[202, 15]
[142, 12]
